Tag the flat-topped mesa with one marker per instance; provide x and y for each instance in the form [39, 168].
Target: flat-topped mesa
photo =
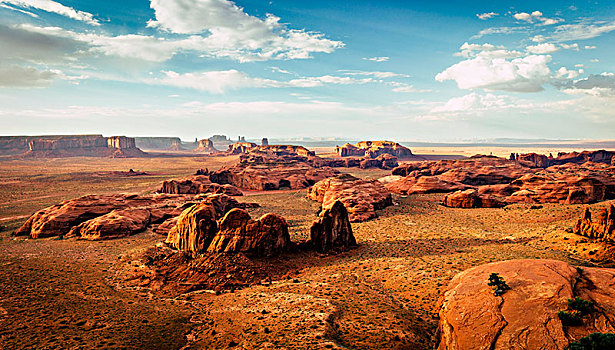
[298, 150]
[79, 145]
[542, 161]
[197, 184]
[205, 146]
[603, 228]
[360, 197]
[528, 315]
[373, 149]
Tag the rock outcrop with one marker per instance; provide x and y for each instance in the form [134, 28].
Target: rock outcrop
[603, 228]
[240, 147]
[197, 184]
[542, 161]
[526, 316]
[118, 223]
[205, 146]
[332, 230]
[508, 180]
[372, 149]
[360, 197]
[471, 199]
[194, 230]
[238, 233]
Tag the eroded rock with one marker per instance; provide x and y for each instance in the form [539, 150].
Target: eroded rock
[602, 228]
[332, 229]
[373, 149]
[197, 184]
[471, 199]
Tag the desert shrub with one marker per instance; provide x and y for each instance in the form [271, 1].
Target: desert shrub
[583, 306]
[497, 283]
[594, 341]
[570, 318]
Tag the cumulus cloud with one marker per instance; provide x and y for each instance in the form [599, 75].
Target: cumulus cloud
[473, 102]
[537, 17]
[542, 49]
[53, 7]
[574, 47]
[18, 76]
[486, 15]
[526, 74]
[222, 29]
[377, 59]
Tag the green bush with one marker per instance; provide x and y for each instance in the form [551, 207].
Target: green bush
[595, 341]
[570, 318]
[498, 284]
[583, 306]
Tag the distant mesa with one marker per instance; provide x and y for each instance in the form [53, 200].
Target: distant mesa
[70, 146]
[373, 149]
[542, 161]
[205, 146]
[161, 143]
[265, 142]
[241, 147]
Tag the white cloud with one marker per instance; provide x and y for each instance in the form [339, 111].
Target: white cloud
[377, 59]
[486, 51]
[565, 73]
[235, 34]
[486, 15]
[218, 82]
[473, 102]
[17, 76]
[594, 60]
[589, 47]
[53, 7]
[526, 74]
[597, 85]
[542, 49]
[536, 16]
[402, 87]
[376, 74]
[574, 47]
[498, 30]
[280, 70]
[581, 31]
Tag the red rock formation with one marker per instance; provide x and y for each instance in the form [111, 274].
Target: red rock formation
[360, 197]
[424, 184]
[603, 228]
[205, 146]
[194, 230]
[240, 147]
[534, 160]
[81, 145]
[197, 184]
[372, 149]
[600, 156]
[526, 316]
[298, 150]
[271, 177]
[238, 233]
[557, 187]
[118, 223]
[471, 199]
[332, 230]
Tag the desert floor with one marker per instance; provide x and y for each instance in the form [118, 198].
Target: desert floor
[383, 294]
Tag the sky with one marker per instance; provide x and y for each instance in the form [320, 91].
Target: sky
[397, 70]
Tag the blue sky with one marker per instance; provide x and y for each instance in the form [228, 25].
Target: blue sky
[403, 70]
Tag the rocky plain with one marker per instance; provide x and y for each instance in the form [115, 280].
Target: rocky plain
[257, 246]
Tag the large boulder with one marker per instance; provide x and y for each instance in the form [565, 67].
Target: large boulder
[239, 233]
[471, 199]
[332, 230]
[424, 184]
[361, 197]
[118, 223]
[194, 230]
[526, 316]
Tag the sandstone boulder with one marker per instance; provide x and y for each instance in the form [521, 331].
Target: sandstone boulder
[471, 199]
[360, 197]
[194, 230]
[332, 230]
[526, 316]
[424, 184]
[118, 223]
[267, 236]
